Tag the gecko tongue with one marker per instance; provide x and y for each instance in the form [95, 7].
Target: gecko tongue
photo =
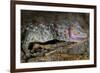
[76, 33]
[78, 36]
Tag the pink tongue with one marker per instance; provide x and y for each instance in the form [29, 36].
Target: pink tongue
[73, 36]
[76, 37]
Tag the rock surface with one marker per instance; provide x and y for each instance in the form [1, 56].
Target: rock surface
[42, 26]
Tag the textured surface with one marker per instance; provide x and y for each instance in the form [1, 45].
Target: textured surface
[42, 26]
